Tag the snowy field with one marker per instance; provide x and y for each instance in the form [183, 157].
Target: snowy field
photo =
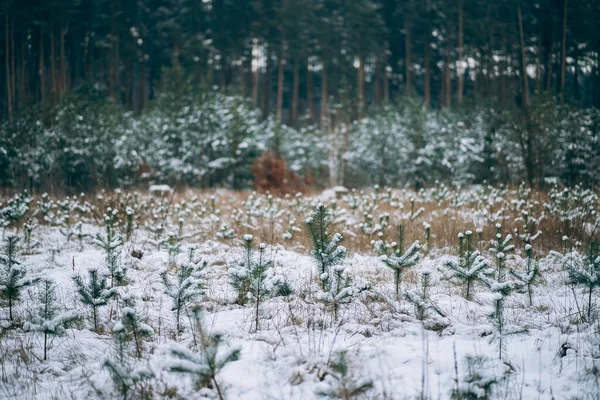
[194, 306]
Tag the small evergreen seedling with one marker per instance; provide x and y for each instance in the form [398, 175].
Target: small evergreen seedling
[206, 364]
[400, 260]
[131, 330]
[185, 288]
[28, 228]
[343, 383]
[531, 271]
[341, 289]
[111, 243]
[47, 318]
[469, 264]
[253, 278]
[173, 246]
[588, 274]
[421, 300]
[94, 293]
[501, 288]
[13, 277]
[327, 251]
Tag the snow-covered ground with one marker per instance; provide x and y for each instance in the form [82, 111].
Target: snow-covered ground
[549, 351]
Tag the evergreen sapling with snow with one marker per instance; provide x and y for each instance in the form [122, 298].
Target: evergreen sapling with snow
[94, 293]
[469, 264]
[399, 260]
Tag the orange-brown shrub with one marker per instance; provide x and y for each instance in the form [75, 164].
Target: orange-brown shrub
[271, 174]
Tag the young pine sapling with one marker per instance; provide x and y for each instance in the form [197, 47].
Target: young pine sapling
[94, 293]
[469, 265]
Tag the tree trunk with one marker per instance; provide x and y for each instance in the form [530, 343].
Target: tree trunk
[53, 64]
[255, 85]
[296, 86]
[142, 84]
[459, 70]
[385, 84]
[361, 87]
[309, 91]
[280, 64]
[426, 58]
[447, 81]
[523, 59]
[323, 116]
[563, 69]
[13, 72]
[408, 62]
[8, 89]
[266, 89]
[42, 68]
[63, 62]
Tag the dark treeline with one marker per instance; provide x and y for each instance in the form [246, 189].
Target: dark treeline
[290, 56]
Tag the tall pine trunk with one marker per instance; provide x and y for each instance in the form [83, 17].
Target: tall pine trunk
[523, 59]
[459, 70]
[361, 87]
[8, 89]
[295, 88]
[563, 69]
[408, 61]
[309, 91]
[323, 116]
[280, 65]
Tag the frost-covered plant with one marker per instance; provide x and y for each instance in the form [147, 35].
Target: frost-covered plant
[326, 250]
[500, 288]
[225, 232]
[186, 287]
[16, 209]
[427, 228]
[342, 382]
[46, 317]
[469, 265]
[530, 273]
[173, 246]
[398, 259]
[502, 245]
[291, 231]
[111, 242]
[94, 293]
[28, 228]
[341, 288]
[253, 277]
[156, 229]
[13, 277]
[130, 225]
[80, 234]
[477, 380]
[132, 331]
[205, 364]
[587, 273]
[421, 299]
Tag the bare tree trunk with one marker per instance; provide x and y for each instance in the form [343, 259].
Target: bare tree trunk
[13, 72]
[53, 64]
[563, 69]
[142, 84]
[280, 64]
[323, 116]
[8, 89]
[42, 68]
[459, 70]
[63, 62]
[523, 59]
[408, 62]
[447, 82]
[309, 91]
[255, 84]
[266, 90]
[295, 87]
[426, 60]
[385, 83]
[361, 87]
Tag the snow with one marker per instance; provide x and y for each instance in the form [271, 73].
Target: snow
[288, 358]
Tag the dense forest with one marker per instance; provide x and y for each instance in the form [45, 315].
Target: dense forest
[521, 78]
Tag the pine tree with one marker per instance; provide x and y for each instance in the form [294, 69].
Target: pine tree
[327, 251]
[421, 300]
[400, 260]
[127, 332]
[341, 382]
[186, 287]
[47, 318]
[111, 243]
[501, 288]
[13, 277]
[95, 293]
[340, 289]
[132, 330]
[253, 277]
[206, 364]
[530, 273]
[469, 265]
[588, 274]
